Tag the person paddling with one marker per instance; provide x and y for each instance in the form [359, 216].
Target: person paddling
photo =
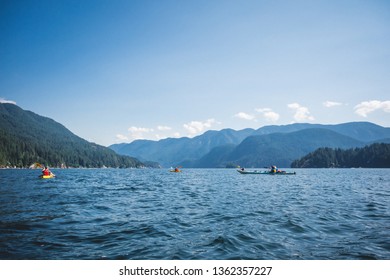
[46, 171]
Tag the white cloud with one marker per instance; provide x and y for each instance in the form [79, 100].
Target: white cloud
[244, 116]
[301, 113]
[163, 128]
[121, 137]
[293, 106]
[366, 107]
[271, 116]
[2, 100]
[196, 127]
[139, 129]
[268, 114]
[329, 104]
[138, 132]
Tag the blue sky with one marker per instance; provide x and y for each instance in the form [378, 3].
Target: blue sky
[115, 71]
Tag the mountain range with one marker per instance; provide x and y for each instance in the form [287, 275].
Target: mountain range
[26, 138]
[278, 145]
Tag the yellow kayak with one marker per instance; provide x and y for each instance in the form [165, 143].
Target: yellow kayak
[174, 170]
[47, 176]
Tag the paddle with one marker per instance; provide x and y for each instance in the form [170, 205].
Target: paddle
[37, 164]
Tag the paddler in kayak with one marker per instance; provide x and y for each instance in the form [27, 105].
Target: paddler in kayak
[46, 171]
[176, 169]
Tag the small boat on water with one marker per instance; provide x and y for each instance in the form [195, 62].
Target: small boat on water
[273, 171]
[47, 176]
[265, 172]
[176, 169]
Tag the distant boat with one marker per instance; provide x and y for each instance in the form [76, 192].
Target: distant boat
[265, 172]
[175, 169]
[47, 176]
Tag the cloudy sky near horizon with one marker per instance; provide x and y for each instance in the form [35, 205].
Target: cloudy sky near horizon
[115, 71]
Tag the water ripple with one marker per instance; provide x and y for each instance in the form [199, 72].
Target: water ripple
[197, 214]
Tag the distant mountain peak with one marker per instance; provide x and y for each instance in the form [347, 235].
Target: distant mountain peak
[194, 152]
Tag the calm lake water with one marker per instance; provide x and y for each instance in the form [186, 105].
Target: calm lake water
[196, 214]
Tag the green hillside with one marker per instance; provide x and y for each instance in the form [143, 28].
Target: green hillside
[282, 149]
[373, 156]
[26, 137]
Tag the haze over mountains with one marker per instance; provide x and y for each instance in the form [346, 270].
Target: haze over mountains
[279, 145]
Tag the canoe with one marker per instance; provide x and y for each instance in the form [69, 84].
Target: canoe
[47, 176]
[175, 171]
[265, 172]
